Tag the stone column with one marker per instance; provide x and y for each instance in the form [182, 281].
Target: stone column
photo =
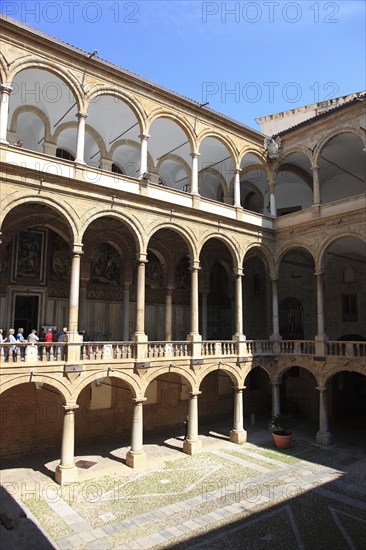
[239, 336]
[140, 298]
[239, 303]
[276, 405]
[80, 138]
[168, 314]
[82, 305]
[192, 445]
[275, 325]
[194, 180]
[194, 335]
[143, 158]
[66, 471]
[320, 302]
[272, 196]
[194, 298]
[204, 315]
[136, 456]
[316, 186]
[126, 313]
[237, 202]
[140, 337]
[4, 111]
[238, 434]
[73, 337]
[323, 437]
[321, 336]
[74, 290]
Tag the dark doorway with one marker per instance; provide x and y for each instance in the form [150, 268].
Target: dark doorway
[291, 319]
[26, 313]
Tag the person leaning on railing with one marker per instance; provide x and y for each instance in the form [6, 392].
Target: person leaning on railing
[10, 338]
[20, 338]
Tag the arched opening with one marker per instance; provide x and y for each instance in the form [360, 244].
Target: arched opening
[215, 170]
[167, 287]
[35, 262]
[297, 295]
[116, 125]
[32, 419]
[341, 168]
[298, 396]
[170, 148]
[344, 264]
[43, 92]
[257, 396]
[254, 194]
[256, 298]
[216, 403]
[166, 407]
[216, 291]
[347, 404]
[105, 415]
[107, 305]
[294, 184]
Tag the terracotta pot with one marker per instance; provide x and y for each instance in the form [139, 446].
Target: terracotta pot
[282, 441]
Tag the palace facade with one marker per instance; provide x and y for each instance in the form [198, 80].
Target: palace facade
[199, 266]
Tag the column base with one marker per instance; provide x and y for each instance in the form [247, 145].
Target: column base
[192, 447]
[196, 344]
[136, 459]
[65, 475]
[238, 436]
[320, 349]
[324, 438]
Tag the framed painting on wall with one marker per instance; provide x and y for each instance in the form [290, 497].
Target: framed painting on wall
[29, 256]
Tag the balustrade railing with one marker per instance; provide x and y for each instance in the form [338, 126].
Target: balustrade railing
[42, 352]
[30, 352]
[259, 347]
[218, 348]
[346, 349]
[298, 347]
[168, 349]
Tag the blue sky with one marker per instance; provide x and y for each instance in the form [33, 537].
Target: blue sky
[248, 59]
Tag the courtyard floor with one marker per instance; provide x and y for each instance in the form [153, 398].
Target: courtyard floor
[249, 496]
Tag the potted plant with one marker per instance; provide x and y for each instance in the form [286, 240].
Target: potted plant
[279, 425]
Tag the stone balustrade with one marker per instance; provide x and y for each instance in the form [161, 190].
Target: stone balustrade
[41, 352]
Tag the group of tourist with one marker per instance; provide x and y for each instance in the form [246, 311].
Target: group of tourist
[50, 337]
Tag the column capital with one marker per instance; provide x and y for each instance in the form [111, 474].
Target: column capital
[193, 394]
[195, 265]
[237, 170]
[141, 258]
[321, 388]
[194, 155]
[70, 407]
[77, 248]
[238, 272]
[80, 114]
[314, 167]
[239, 388]
[274, 278]
[6, 89]
[318, 272]
[138, 400]
[144, 137]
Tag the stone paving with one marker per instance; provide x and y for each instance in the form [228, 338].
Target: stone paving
[250, 496]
